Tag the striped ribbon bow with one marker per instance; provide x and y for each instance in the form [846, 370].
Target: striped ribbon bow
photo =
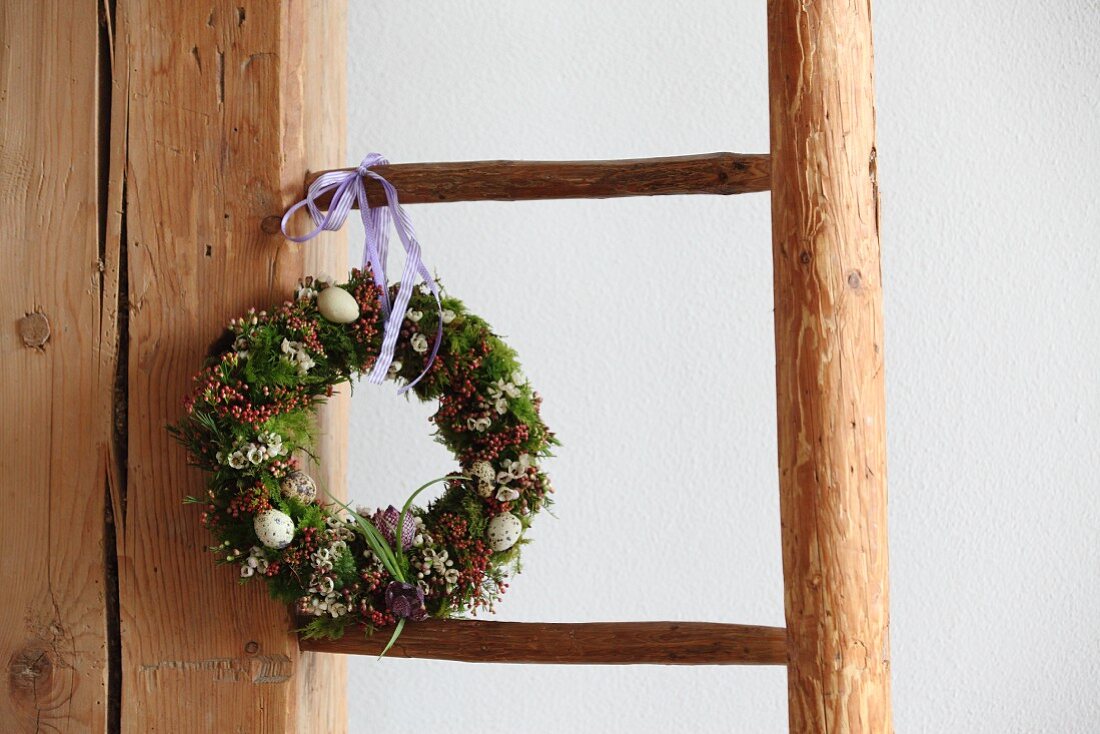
[347, 188]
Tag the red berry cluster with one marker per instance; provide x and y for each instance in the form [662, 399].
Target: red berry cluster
[472, 555]
[297, 557]
[251, 501]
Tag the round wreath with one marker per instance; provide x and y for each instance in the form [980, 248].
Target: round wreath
[251, 417]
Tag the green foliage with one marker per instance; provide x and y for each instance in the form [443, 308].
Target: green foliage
[465, 335]
[473, 509]
[284, 588]
[266, 365]
[523, 408]
[500, 363]
[325, 628]
[343, 565]
[296, 427]
[239, 535]
[308, 516]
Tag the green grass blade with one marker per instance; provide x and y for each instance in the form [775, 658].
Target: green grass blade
[377, 542]
[393, 638]
[405, 510]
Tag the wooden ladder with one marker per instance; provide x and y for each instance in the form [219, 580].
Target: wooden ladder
[828, 341]
[149, 149]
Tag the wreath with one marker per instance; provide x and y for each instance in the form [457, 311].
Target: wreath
[250, 420]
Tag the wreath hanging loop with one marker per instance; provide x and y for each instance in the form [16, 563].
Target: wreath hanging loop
[250, 420]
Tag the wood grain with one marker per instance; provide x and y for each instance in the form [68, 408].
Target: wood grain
[216, 139]
[58, 353]
[589, 643]
[829, 365]
[322, 680]
[712, 173]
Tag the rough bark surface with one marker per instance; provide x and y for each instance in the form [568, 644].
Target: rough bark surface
[589, 643]
[828, 339]
[709, 173]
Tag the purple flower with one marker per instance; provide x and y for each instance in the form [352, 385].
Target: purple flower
[386, 522]
[406, 601]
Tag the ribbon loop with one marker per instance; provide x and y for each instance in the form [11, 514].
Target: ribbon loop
[347, 189]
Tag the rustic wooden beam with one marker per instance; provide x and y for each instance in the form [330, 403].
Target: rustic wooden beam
[58, 313]
[712, 173]
[221, 106]
[322, 680]
[592, 643]
[829, 365]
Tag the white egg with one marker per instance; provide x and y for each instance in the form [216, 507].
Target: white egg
[275, 529]
[337, 305]
[504, 531]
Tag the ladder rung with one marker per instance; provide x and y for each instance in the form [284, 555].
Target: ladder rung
[603, 643]
[710, 173]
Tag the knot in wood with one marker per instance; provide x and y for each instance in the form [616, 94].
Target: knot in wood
[272, 224]
[32, 679]
[34, 330]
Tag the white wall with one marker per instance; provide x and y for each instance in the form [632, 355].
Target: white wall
[647, 326]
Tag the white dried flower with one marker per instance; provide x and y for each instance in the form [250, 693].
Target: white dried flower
[479, 424]
[256, 453]
[296, 354]
[506, 494]
[237, 460]
[511, 470]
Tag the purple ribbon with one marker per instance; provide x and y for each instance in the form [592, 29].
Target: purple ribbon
[347, 188]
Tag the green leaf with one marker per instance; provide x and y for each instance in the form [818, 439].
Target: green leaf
[393, 638]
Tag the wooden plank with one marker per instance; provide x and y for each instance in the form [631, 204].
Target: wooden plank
[58, 356]
[216, 143]
[829, 365]
[589, 643]
[712, 173]
[322, 680]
